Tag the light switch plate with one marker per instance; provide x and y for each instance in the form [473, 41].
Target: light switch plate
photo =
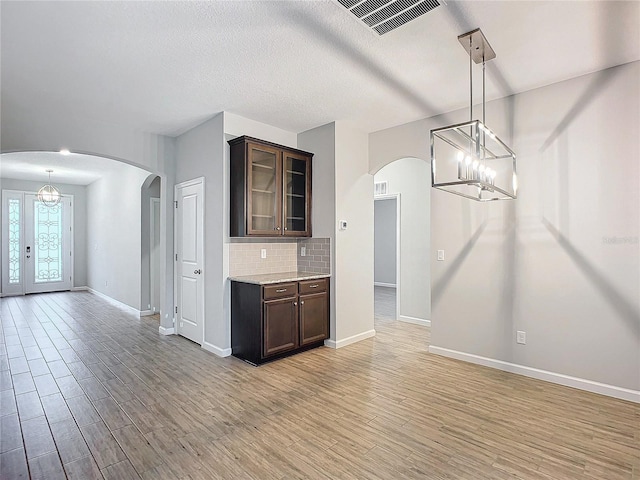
[521, 337]
[303, 251]
[263, 253]
[441, 255]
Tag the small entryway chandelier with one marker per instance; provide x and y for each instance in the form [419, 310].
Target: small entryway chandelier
[48, 194]
[471, 160]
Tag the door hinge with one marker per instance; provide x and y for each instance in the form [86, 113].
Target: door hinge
[176, 203]
[176, 309]
[176, 257]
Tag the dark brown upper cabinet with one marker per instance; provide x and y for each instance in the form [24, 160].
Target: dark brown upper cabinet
[270, 191]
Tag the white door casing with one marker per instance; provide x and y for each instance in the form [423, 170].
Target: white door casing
[154, 256]
[189, 241]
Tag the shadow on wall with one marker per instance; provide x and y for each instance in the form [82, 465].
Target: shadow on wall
[441, 285]
[624, 308]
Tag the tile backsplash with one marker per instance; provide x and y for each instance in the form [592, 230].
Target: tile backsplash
[318, 255]
[282, 256]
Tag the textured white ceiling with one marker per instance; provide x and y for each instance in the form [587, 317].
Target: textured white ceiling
[164, 67]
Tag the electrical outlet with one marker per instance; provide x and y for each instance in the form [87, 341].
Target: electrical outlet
[441, 255]
[521, 337]
[263, 253]
[303, 251]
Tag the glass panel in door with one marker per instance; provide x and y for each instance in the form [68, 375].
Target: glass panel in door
[263, 195]
[295, 197]
[47, 246]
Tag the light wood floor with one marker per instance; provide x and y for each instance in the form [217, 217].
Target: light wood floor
[89, 391]
[384, 306]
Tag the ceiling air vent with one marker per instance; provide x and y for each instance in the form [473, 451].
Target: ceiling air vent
[382, 16]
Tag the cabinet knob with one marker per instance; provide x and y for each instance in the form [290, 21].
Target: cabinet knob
[302, 302]
[295, 304]
[285, 228]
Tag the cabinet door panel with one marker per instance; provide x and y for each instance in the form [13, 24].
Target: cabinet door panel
[297, 194]
[264, 192]
[280, 326]
[313, 318]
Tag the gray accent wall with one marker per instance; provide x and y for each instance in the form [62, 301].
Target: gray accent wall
[79, 221]
[562, 262]
[385, 236]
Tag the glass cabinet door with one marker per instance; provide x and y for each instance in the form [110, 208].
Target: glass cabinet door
[297, 183]
[264, 197]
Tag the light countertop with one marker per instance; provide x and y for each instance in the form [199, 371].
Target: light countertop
[267, 278]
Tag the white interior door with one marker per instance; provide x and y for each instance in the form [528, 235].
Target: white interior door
[190, 260]
[48, 249]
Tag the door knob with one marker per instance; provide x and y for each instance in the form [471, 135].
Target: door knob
[197, 272]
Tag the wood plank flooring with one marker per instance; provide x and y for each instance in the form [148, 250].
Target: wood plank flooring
[89, 391]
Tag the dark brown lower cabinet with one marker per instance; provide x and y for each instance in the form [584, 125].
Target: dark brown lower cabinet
[313, 318]
[276, 320]
[280, 326]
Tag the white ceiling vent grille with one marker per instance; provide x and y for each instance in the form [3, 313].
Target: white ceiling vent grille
[382, 16]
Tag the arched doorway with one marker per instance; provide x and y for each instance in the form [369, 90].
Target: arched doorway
[404, 207]
[107, 220]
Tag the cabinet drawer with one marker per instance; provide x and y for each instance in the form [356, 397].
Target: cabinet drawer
[313, 286]
[280, 290]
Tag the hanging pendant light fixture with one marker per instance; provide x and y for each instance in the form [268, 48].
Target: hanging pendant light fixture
[48, 194]
[468, 159]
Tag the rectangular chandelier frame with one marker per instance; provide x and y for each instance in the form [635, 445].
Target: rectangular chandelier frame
[480, 166]
[468, 159]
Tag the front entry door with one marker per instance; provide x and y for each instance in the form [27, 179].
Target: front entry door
[37, 248]
[190, 260]
[47, 245]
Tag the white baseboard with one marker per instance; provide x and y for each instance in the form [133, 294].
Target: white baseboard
[221, 352]
[115, 302]
[559, 378]
[146, 313]
[417, 321]
[382, 284]
[166, 331]
[349, 340]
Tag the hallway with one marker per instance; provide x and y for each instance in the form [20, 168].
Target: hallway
[91, 391]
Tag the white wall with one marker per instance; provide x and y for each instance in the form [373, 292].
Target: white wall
[384, 241]
[113, 235]
[546, 263]
[79, 222]
[353, 272]
[411, 178]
